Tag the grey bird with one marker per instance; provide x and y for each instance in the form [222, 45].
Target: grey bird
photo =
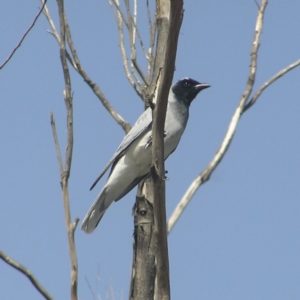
[132, 161]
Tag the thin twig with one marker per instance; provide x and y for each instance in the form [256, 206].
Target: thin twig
[140, 72]
[134, 28]
[118, 8]
[119, 19]
[152, 29]
[90, 288]
[50, 21]
[269, 82]
[132, 37]
[133, 32]
[56, 35]
[129, 18]
[257, 4]
[149, 15]
[137, 32]
[57, 148]
[206, 173]
[127, 24]
[23, 37]
[27, 273]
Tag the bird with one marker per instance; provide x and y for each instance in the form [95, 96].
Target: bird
[132, 161]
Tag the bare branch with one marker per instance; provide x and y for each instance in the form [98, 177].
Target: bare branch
[269, 82]
[133, 32]
[96, 89]
[205, 174]
[77, 66]
[27, 273]
[132, 37]
[118, 8]
[140, 72]
[131, 26]
[149, 15]
[23, 37]
[50, 21]
[129, 18]
[120, 18]
[135, 76]
[58, 153]
[71, 227]
[56, 35]
[140, 40]
[152, 28]
[134, 28]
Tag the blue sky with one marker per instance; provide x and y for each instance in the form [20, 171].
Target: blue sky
[239, 237]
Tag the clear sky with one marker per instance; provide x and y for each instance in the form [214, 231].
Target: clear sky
[238, 239]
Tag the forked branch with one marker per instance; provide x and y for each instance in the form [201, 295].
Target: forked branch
[132, 68]
[66, 168]
[269, 82]
[243, 106]
[75, 62]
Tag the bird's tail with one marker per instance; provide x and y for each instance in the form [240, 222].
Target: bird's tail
[96, 212]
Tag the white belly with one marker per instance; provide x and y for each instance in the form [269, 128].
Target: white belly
[140, 154]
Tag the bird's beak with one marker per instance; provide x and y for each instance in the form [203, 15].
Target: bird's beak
[201, 86]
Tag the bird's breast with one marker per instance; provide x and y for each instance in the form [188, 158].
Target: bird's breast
[139, 153]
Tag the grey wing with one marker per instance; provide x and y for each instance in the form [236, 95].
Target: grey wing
[143, 123]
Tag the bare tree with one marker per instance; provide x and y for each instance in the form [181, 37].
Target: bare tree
[150, 270]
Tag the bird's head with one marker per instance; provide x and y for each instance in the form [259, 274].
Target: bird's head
[187, 89]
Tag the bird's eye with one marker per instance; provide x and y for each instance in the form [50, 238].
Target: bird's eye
[186, 83]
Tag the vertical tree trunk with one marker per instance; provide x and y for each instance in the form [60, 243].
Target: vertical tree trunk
[150, 260]
[144, 245]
